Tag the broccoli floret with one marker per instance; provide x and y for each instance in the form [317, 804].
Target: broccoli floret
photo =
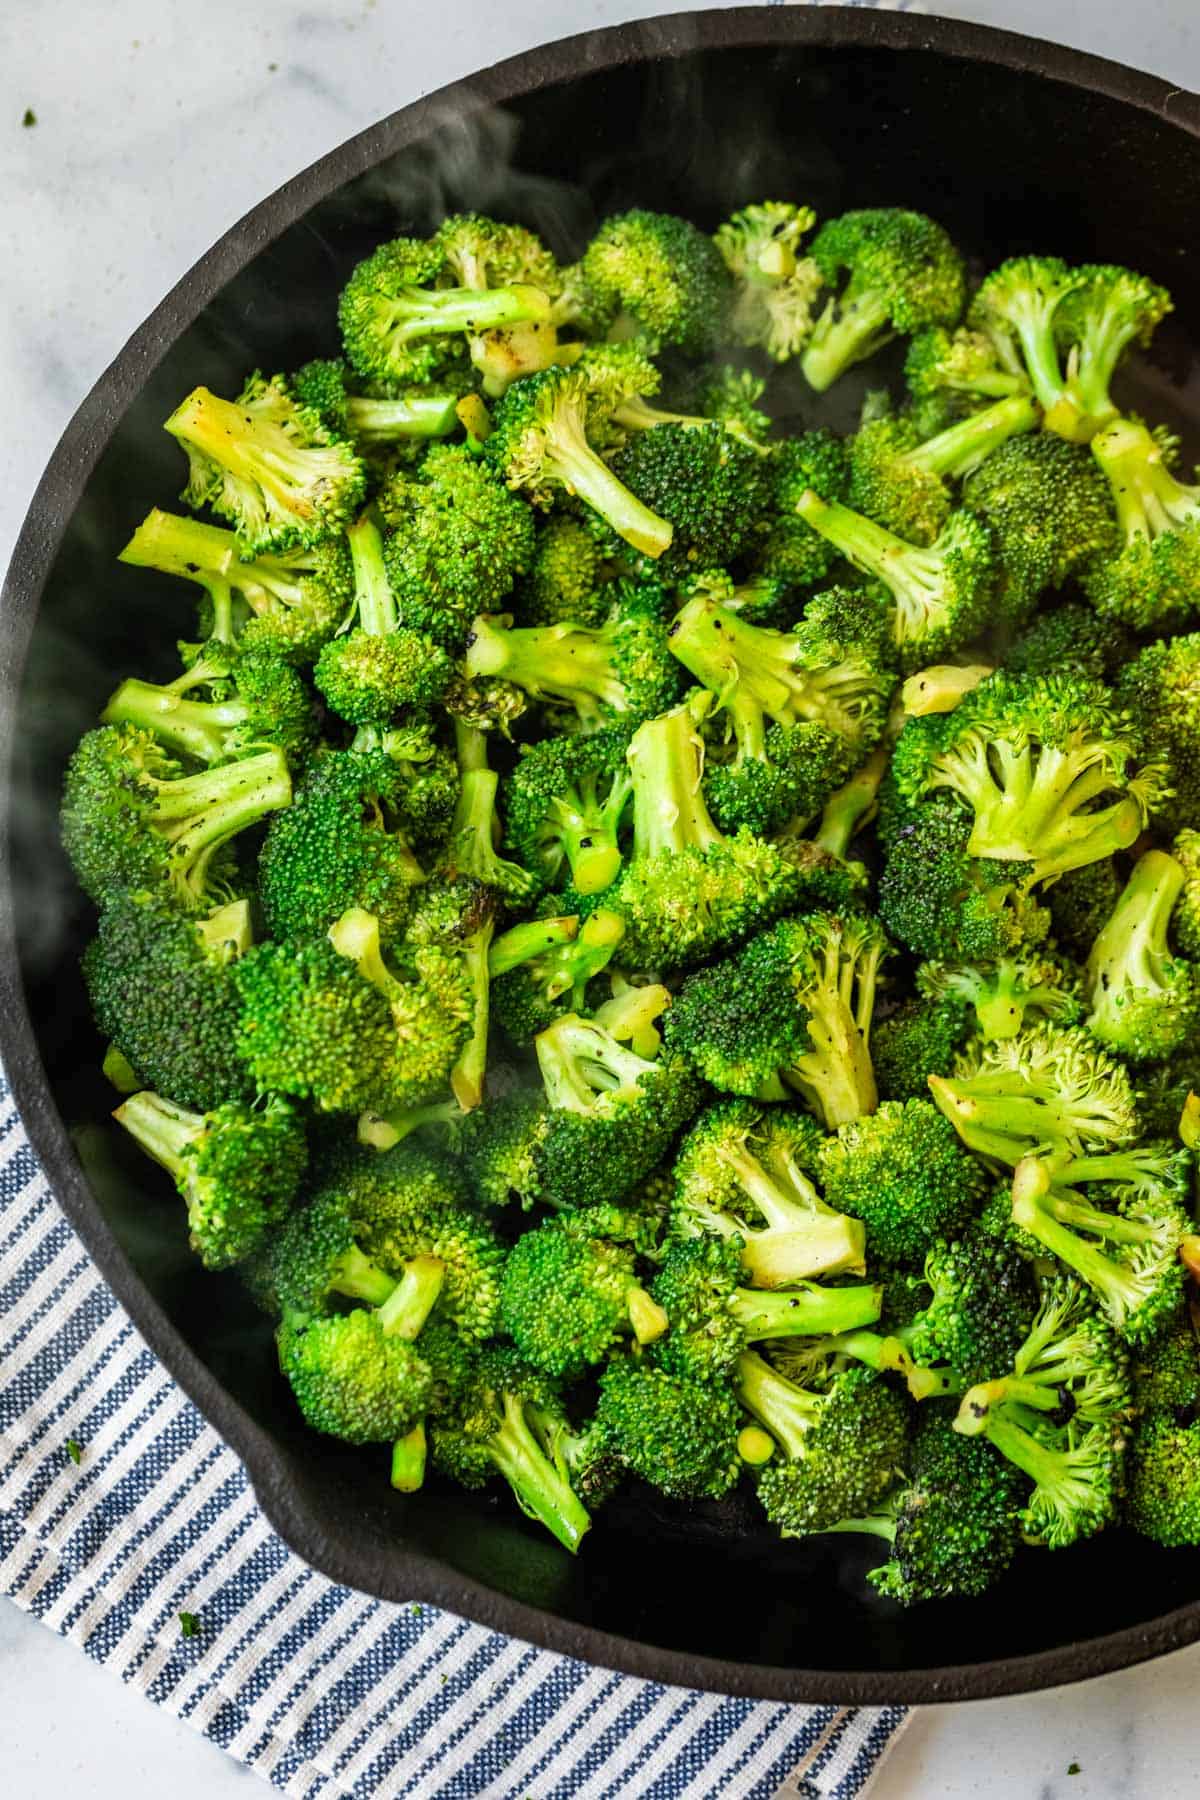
[358, 1375]
[569, 1296]
[938, 900]
[448, 945]
[921, 1038]
[940, 594]
[396, 313]
[1050, 1089]
[160, 984]
[289, 603]
[835, 668]
[712, 1319]
[619, 670]
[267, 465]
[901, 478]
[132, 819]
[981, 1310]
[667, 275]
[680, 1436]
[744, 1174]
[1053, 771]
[402, 419]
[341, 844]
[1050, 514]
[237, 1167]
[791, 1012]
[842, 1445]
[686, 890]
[1144, 1001]
[731, 396]
[562, 586]
[377, 667]
[500, 1145]
[792, 551]
[1016, 308]
[612, 1112]
[1071, 637]
[1128, 1256]
[1185, 920]
[456, 542]
[567, 803]
[500, 1425]
[953, 1527]
[1166, 1370]
[904, 1174]
[256, 702]
[1004, 994]
[775, 289]
[410, 1202]
[950, 364]
[1161, 689]
[1071, 1365]
[1151, 581]
[709, 484]
[315, 1260]
[903, 274]
[1163, 1498]
[539, 445]
[550, 979]
[1106, 310]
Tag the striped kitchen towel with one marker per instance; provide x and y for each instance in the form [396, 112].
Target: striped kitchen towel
[124, 1521]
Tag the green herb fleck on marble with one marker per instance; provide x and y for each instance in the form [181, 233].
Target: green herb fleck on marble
[29, 117]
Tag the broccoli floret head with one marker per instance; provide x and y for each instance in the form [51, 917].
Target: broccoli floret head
[311, 1027]
[351, 1379]
[1185, 921]
[791, 550]
[902, 275]
[1107, 310]
[958, 365]
[678, 1435]
[237, 1167]
[776, 289]
[131, 819]
[563, 584]
[621, 670]
[500, 1146]
[662, 271]
[456, 542]
[160, 984]
[268, 465]
[1163, 1501]
[903, 1172]
[1160, 688]
[921, 1038]
[1166, 1370]
[1151, 580]
[937, 899]
[255, 702]
[569, 1296]
[707, 482]
[567, 804]
[981, 1311]
[1072, 636]
[1144, 1001]
[1004, 995]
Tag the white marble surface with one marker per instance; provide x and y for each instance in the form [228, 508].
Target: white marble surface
[158, 124]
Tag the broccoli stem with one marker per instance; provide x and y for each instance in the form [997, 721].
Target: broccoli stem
[846, 335]
[118, 1071]
[805, 1311]
[910, 573]
[787, 1411]
[199, 813]
[470, 1071]
[408, 1461]
[570, 459]
[474, 831]
[1032, 317]
[635, 414]
[1050, 1217]
[735, 659]
[435, 312]
[835, 1074]
[541, 1492]
[356, 1277]
[175, 545]
[163, 1130]
[195, 728]
[1001, 1125]
[378, 613]
[980, 1400]
[356, 936]
[850, 808]
[529, 940]
[413, 415]
[578, 1058]
[1148, 499]
[587, 824]
[940, 688]
[413, 1298]
[1132, 946]
[646, 1316]
[1032, 807]
[248, 447]
[228, 931]
[963, 446]
[551, 662]
[633, 1013]
[382, 1131]
[804, 1237]
[892, 1354]
[666, 758]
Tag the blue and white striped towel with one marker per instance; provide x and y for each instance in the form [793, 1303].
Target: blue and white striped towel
[320, 1690]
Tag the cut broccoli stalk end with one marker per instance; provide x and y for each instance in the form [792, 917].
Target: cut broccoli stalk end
[666, 758]
[845, 335]
[581, 1063]
[175, 545]
[413, 1298]
[162, 1129]
[356, 1277]
[807, 1311]
[409, 1455]
[560, 662]
[646, 1317]
[541, 1491]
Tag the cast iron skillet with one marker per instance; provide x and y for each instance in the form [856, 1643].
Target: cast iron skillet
[1014, 145]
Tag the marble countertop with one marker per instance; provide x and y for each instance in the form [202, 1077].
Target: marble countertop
[157, 125]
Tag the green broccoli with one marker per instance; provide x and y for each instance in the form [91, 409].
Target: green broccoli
[1106, 310]
[562, 586]
[904, 1174]
[789, 1013]
[1185, 920]
[1144, 1002]
[775, 289]
[1161, 689]
[569, 1295]
[1080, 902]
[1016, 309]
[372, 670]
[791, 551]
[132, 819]
[1166, 1370]
[901, 478]
[665, 274]
[1151, 580]
[1051, 1089]
[1163, 1497]
[621, 670]
[549, 979]
[903, 275]
[1004, 994]
[267, 465]
[404, 418]
[567, 802]
[1072, 636]
[256, 702]
[500, 1145]
[237, 1167]
[919, 1039]
[681, 1436]
[710, 485]
[455, 543]
[937, 900]
[957, 365]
